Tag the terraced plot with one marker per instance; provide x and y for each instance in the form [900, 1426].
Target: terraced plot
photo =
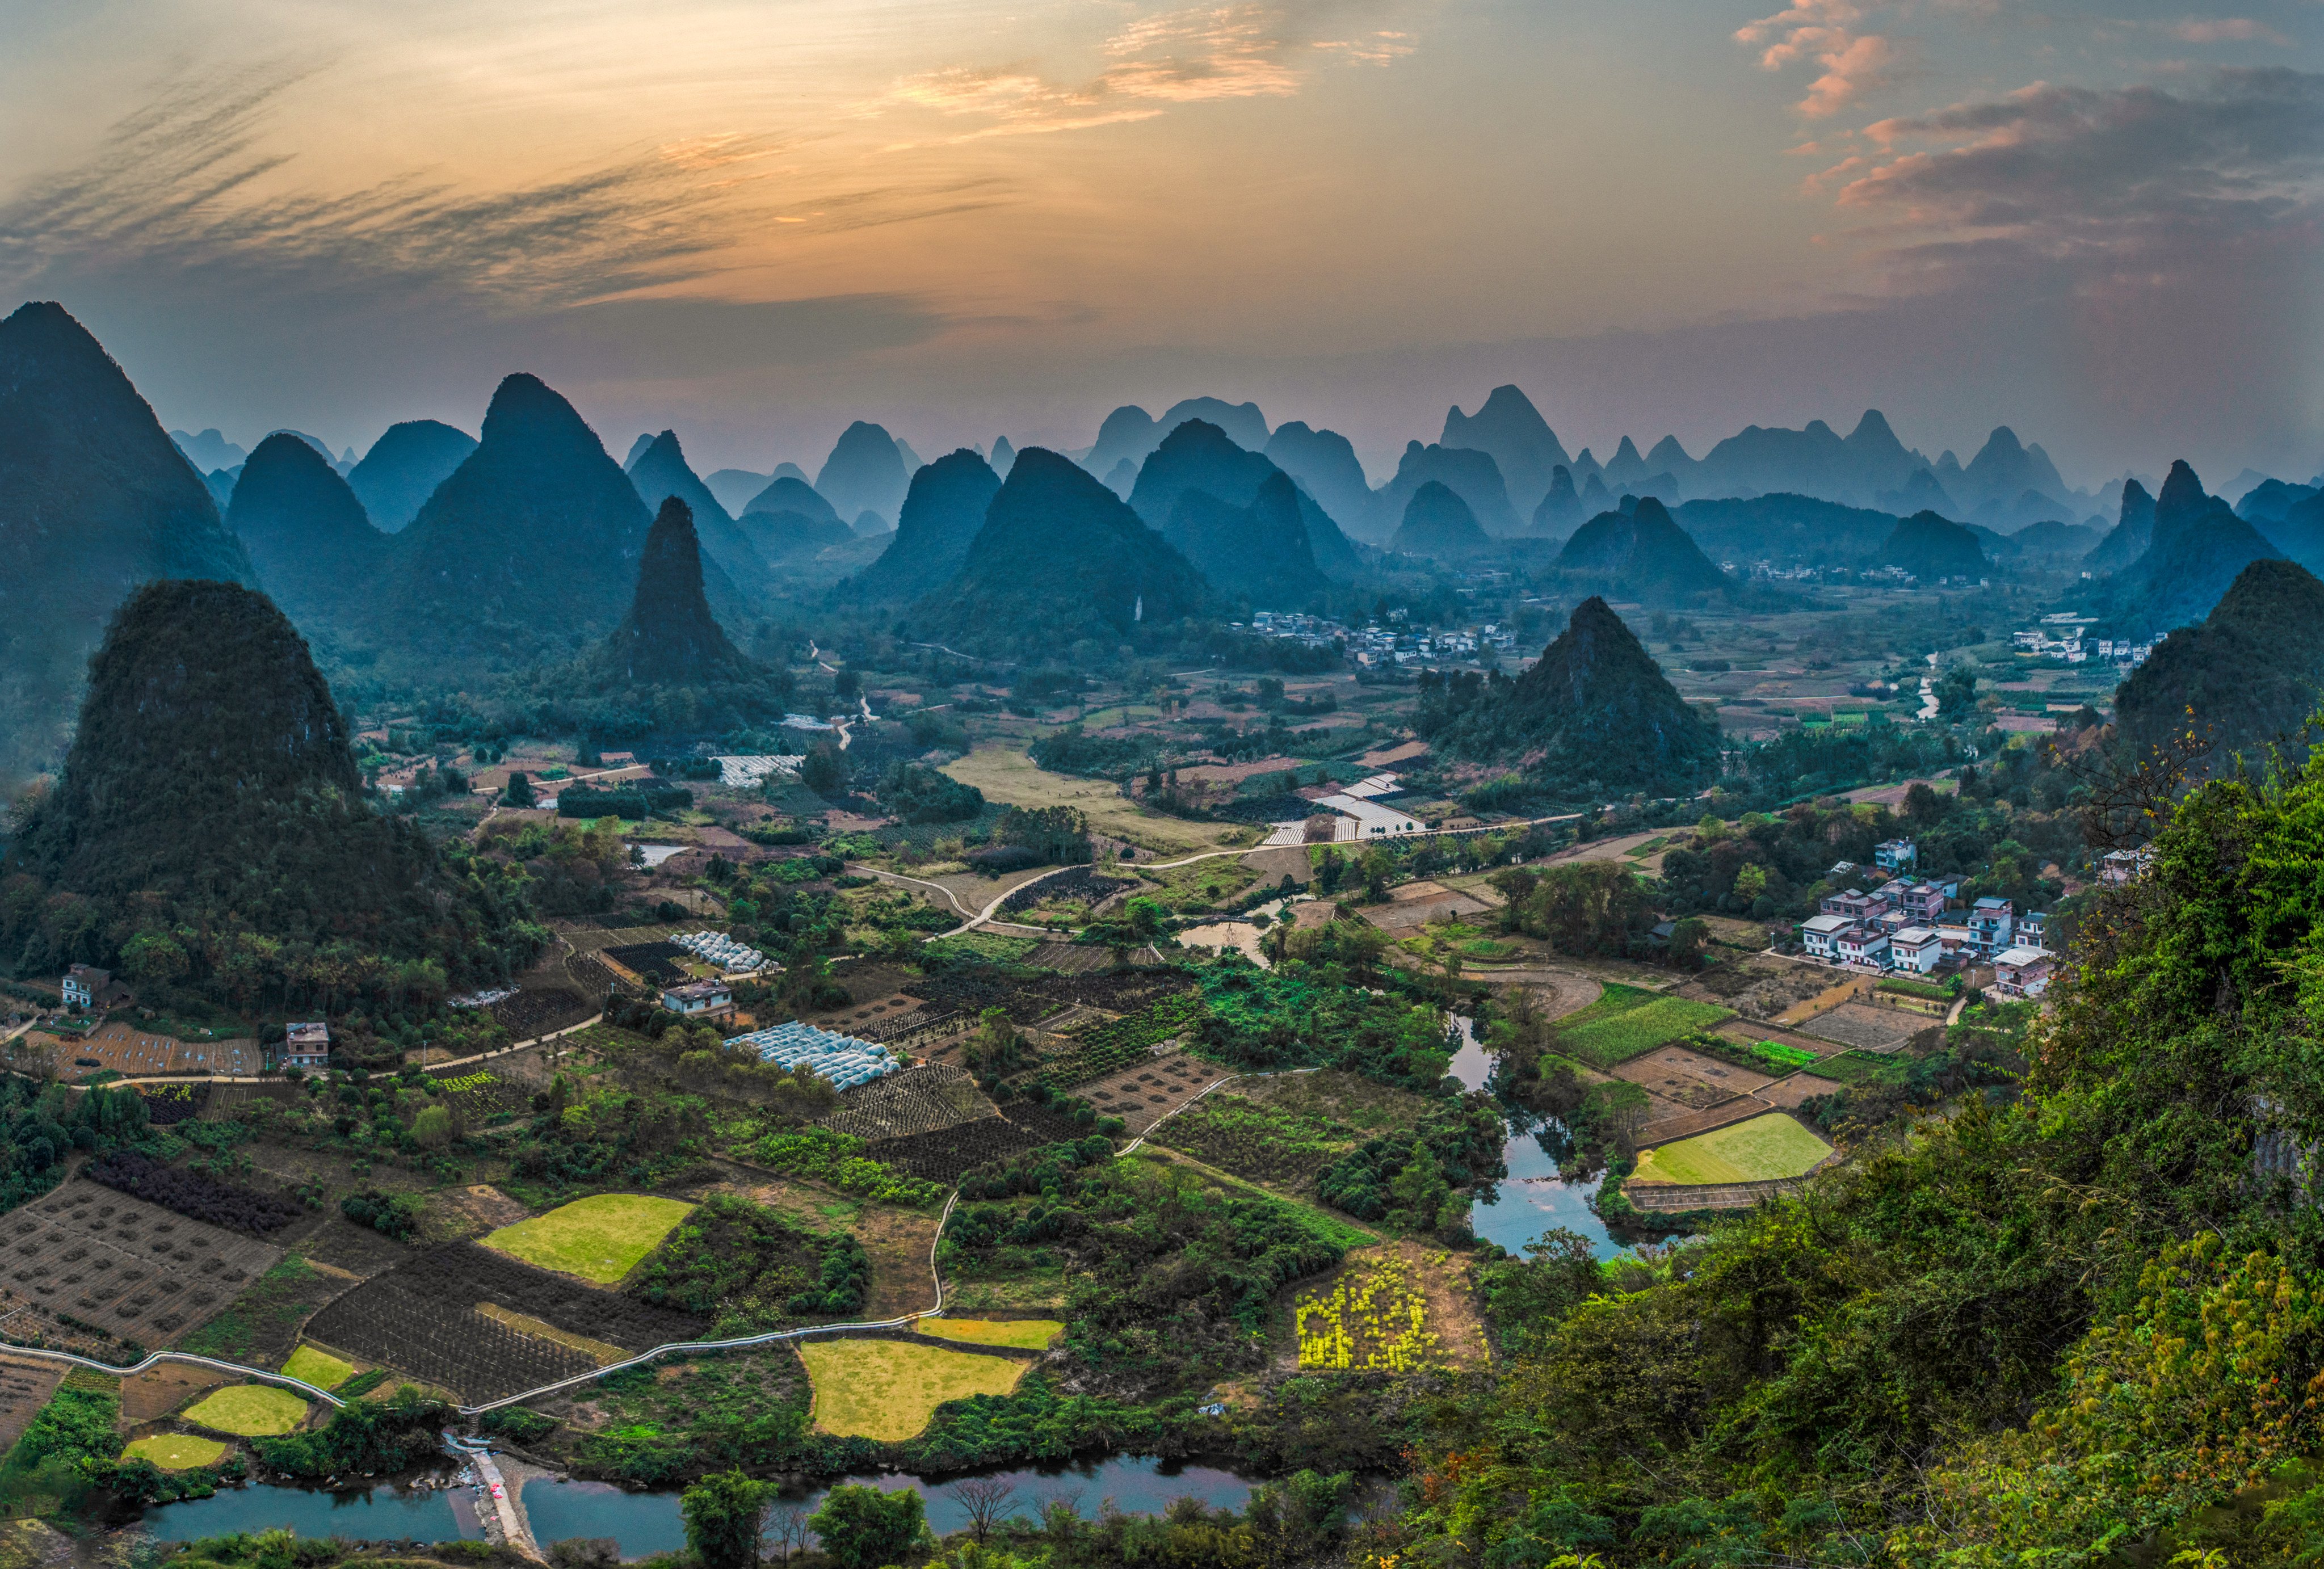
[1627, 1023]
[1759, 1151]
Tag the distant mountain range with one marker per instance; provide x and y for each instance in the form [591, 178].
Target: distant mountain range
[2195, 549]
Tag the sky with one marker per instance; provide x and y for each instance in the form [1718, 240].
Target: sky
[754, 221]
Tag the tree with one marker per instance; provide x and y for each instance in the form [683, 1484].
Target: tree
[519, 790]
[1923, 806]
[822, 771]
[1956, 695]
[784, 1523]
[986, 1500]
[1750, 881]
[861, 1528]
[433, 1127]
[722, 1514]
[1379, 867]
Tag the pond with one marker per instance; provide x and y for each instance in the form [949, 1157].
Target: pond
[1534, 1197]
[647, 1522]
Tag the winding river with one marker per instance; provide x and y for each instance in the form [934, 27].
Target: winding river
[1534, 1197]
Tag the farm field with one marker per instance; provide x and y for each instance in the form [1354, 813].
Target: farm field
[25, 1387]
[599, 1239]
[175, 1451]
[127, 1050]
[132, 1269]
[890, 1389]
[1146, 1089]
[1761, 1150]
[318, 1368]
[1028, 1334]
[1625, 1021]
[1374, 1318]
[1006, 775]
[250, 1410]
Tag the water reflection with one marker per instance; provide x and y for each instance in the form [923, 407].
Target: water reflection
[1533, 1198]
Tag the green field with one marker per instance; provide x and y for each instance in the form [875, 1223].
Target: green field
[176, 1451]
[1865, 1067]
[1626, 1021]
[599, 1239]
[1759, 1151]
[1032, 1334]
[250, 1411]
[318, 1368]
[890, 1389]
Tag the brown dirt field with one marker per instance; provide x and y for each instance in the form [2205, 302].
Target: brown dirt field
[1789, 1093]
[135, 1269]
[461, 1213]
[1688, 1077]
[1869, 1028]
[1142, 1094]
[25, 1386]
[898, 1242]
[1834, 993]
[154, 1394]
[126, 1049]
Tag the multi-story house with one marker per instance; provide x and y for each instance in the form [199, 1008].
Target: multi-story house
[1991, 922]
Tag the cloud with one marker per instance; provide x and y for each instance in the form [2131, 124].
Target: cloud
[1854, 63]
[2228, 30]
[1199, 54]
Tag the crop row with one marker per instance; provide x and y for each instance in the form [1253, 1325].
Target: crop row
[442, 1343]
[1375, 1318]
[466, 1274]
[166, 1105]
[920, 1099]
[193, 1195]
[942, 1155]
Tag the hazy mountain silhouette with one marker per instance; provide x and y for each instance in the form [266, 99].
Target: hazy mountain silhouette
[1930, 547]
[734, 487]
[1125, 436]
[1593, 716]
[1196, 454]
[941, 515]
[1523, 446]
[1471, 475]
[2199, 546]
[2002, 470]
[1560, 512]
[637, 450]
[210, 786]
[1326, 466]
[789, 494]
[307, 534]
[1244, 425]
[534, 537]
[2132, 531]
[1625, 469]
[2299, 531]
[1121, 478]
[1003, 454]
[1260, 551]
[1786, 529]
[2270, 500]
[1437, 523]
[1060, 559]
[219, 483]
[1595, 497]
[1920, 493]
[865, 474]
[403, 468]
[2252, 672]
[1816, 461]
[1642, 555]
[209, 450]
[670, 638]
[660, 471]
[93, 499]
[2056, 541]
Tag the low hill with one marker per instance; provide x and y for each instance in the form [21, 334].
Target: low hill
[942, 512]
[1786, 529]
[95, 498]
[661, 472]
[2252, 672]
[308, 539]
[1198, 456]
[1931, 549]
[2198, 548]
[208, 832]
[1438, 523]
[2132, 530]
[1473, 476]
[1060, 559]
[1258, 552]
[865, 474]
[2055, 542]
[1594, 715]
[403, 468]
[1642, 554]
[788, 492]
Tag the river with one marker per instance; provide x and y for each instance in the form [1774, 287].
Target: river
[1534, 1197]
[647, 1522]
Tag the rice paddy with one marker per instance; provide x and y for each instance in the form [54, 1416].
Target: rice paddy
[1759, 1151]
[1030, 1333]
[250, 1411]
[890, 1389]
[598, 1238]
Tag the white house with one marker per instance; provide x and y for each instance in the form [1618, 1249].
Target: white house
[1895, 855]
[1820, 935]
[83, 984]
[2022, 971]
[1863, 945]
[699, 998]
[1916, 949]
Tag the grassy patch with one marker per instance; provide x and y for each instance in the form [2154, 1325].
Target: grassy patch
[1759, 1151]
[250, 1410]
[1771, 1057]
[265, 1320]
[599, 1239]
[1006, 774]
[176, 1451]
[318, 1368]
[1865, 1067]
[1032, 1334]
[890, 1389]
[1626, 1021]
[1927, 990]
[986, 945]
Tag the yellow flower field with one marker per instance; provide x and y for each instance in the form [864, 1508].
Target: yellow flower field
[1375, 1318]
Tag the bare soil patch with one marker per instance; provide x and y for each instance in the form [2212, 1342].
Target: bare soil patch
[1687, 1077]
[1867, 1028]
[357, 1250]
[1790, 1094]
[1144, 1092]
[1830, 995]
[25, 1386]
[133, 1269]
[154, 1394]
[125, 1049]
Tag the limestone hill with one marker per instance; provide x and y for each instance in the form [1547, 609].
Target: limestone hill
[403, 468]
[308, 536]
[2252, 672]
[2198, 548]
[1930, 548]
[1438, 523]
[1258, 552]
[661, 472]
[942, 512]
[1640, 554]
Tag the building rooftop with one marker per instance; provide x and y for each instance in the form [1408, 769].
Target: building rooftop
[2021, 957]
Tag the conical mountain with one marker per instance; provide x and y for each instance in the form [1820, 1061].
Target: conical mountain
[1593, 717]
[788, 492]
[1126, 435]
[2252, 673]
[1641, 554]
[210, 789]
[865, 474]
[95, 498]
[1196, 456]
[1523, 446]
[1930, 548]
[1260, 552]
[2198, 548]
[1243, 422]
[209, 450]
[1471, 475]
[941, 515]
[789, 519]
[2004, 469]
[1060, 559]
[661, 472]
[1438, 523]
[1004, 455]
[2132, 531]
[307, 536]
[1625, 469]
[1920, 493]
[2298, 532]
[1324, 465]
[734, 487]
[670, 638]
[403, 468]
[1560, 512]
[1595, 497]
[536, 535]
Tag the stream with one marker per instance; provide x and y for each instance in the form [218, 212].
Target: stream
[644, 1523]
[1534, 1197]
